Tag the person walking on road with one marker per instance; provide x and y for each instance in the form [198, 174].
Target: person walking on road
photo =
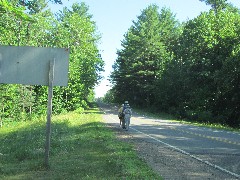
[120, 114]
[127, 112]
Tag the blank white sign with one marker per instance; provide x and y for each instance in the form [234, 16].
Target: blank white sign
[30, 65]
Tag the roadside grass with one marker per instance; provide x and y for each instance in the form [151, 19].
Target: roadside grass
[165, 116]
[82, 147]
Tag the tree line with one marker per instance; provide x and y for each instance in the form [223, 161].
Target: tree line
[189, 69]
[31, 23]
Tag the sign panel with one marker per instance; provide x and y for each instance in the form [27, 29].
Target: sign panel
[30, 65]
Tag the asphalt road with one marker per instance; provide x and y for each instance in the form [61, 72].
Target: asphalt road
[218, 149]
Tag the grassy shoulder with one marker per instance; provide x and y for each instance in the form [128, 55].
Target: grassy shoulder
[82, 147]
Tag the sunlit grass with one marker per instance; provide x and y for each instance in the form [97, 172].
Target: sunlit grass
[82, 147]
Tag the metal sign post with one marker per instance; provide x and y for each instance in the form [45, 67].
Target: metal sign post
[49, 112]
[35, 66]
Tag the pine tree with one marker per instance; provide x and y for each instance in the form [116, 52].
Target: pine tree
[141, 62]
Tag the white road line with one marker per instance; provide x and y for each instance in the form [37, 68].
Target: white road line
[186, 153]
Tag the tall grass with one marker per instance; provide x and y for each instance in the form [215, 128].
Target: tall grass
[82, 147]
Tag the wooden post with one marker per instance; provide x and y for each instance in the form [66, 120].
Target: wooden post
[49, 113]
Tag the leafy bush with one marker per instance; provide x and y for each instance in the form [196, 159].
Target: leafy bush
[79, 110]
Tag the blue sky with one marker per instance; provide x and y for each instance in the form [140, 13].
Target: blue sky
[114, 17]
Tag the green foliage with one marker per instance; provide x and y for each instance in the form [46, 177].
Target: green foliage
[208, 42]
[71, 28]
[78, 32]
[79, 110]
[7, 8]
[141, 62]
[216, 4]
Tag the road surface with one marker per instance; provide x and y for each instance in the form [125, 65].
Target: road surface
[181, 151]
